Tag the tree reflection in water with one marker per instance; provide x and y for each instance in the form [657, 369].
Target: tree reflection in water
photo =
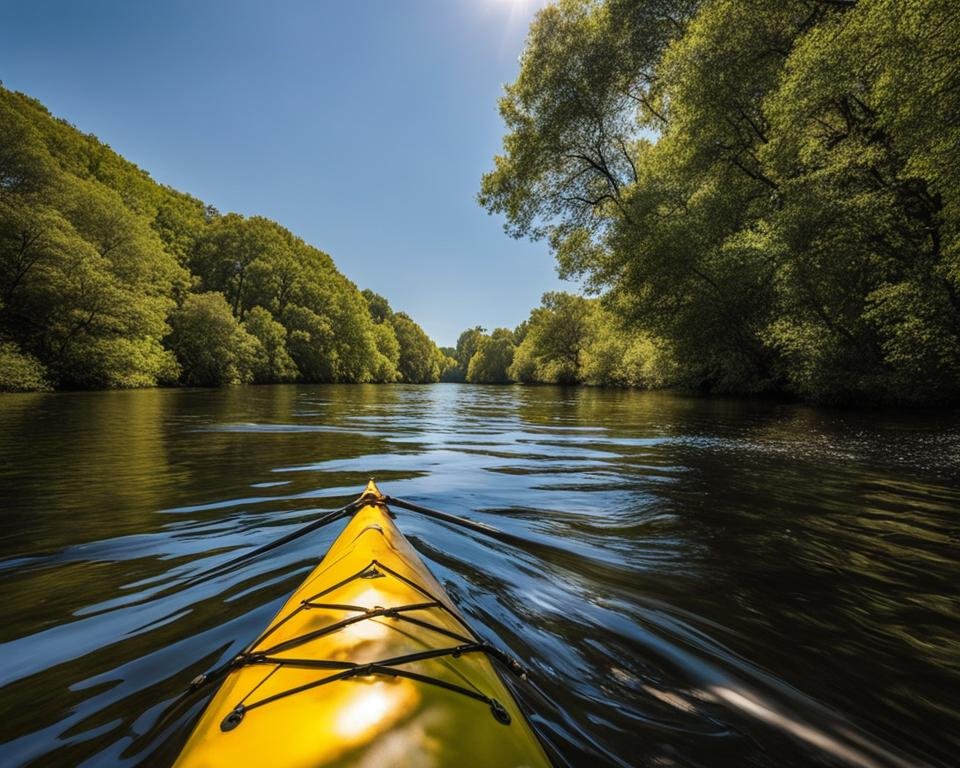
[806, 556]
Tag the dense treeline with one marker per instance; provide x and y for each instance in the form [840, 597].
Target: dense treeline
[767, 193]
[566, 340]
[108, 279]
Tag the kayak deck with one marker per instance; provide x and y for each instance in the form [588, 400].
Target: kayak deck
[367, 663]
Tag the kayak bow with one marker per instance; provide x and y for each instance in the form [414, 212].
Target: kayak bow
[367, 663]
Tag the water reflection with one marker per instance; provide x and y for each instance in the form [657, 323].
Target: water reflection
[808, 555]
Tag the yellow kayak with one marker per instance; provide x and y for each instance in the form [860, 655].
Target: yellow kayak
[367, 664]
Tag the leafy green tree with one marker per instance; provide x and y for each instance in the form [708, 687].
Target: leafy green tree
[450, 370]
[26, 166]
[467, 344]
[86, 285]
[386, 367]
[493, 357]
[213, 349]
[94, 257]
[271, 361]
[524, 367]
[554, 338]
[768, 191]
[378, 306]
[615, 356]
[20, 372]
[311, 344]
[852, 149]
[179, 221]
[418, 354]
[236, 256]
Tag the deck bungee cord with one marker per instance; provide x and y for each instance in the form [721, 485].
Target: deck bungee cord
[469, 643]
[315, 525]
[368, 653]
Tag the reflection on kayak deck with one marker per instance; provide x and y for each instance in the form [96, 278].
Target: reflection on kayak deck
[368, 645]
[691, 582]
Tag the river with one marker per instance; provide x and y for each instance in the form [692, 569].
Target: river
[694, 582]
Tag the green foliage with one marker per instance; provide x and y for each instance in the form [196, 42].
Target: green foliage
[405, 352]
[559, 330]
[378, 306]
[467, 344]
[769, 194]
[615, 356]
[553, 340]
[213, 349]
[461, 354]
[20, 372]
[250, 261]
[420, 360]
[386, 368]
[311, 343]
[256, 262]
[85, 284]
[493, 356]
[450, 370]
[271, 361]
[26, 166]
[525, 366]
[95, 256]
[568, 340]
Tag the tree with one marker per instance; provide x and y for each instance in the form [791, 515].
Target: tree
[94, 256]
[271, 361]
[212, 348]
[418, 354]
[230, 249]
[862, 174]
[386, 367]
[311, 344]
[768, 191]
[86, 286]
[20, 372]
[378, 306]
[588, 88]
[26, 166]
[467, 344]
[450, 370]
[493, 357]
[553, 340]
[615, 356]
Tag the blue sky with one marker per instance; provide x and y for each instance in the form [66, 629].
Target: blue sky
[363, 126]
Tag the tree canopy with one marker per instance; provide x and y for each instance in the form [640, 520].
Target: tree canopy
[770, 191]
[568, 339]
[492, 358]
[108, 279]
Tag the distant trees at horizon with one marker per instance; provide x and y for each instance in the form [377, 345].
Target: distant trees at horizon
[568, 339]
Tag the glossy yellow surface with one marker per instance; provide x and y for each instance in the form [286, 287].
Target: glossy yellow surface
[369, 720]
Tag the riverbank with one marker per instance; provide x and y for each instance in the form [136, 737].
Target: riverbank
[770, 397]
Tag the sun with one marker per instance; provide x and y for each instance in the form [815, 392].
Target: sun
[518, 13]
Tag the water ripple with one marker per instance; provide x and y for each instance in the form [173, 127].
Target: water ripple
[692, 582]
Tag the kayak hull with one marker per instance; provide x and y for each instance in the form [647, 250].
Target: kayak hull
[295, 702]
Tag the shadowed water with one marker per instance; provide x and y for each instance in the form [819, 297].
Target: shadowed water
[692, 582]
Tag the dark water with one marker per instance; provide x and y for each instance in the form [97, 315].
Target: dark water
[700, 582]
